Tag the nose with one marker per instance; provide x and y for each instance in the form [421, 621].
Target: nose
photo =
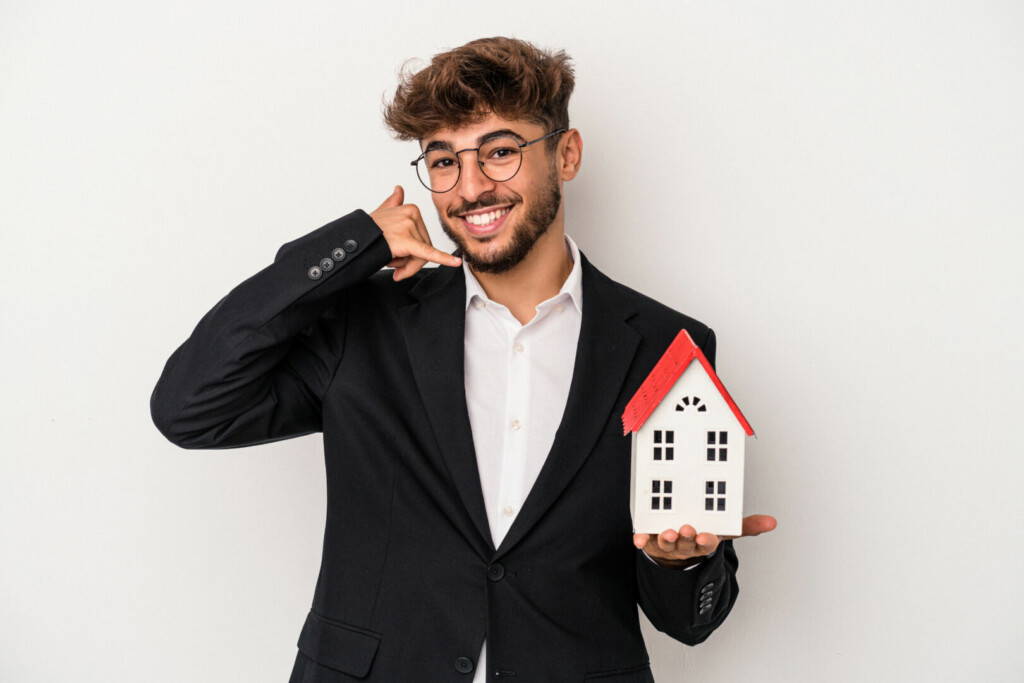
[473, 182]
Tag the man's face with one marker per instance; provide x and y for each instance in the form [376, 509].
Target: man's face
[533, 194]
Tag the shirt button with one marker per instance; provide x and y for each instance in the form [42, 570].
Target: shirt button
[508, 510]
[515, 424]
[518, 346]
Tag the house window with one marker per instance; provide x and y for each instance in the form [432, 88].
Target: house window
[662, 498]
[712, 500]
[692, 403]
[718, 442]
[663, 448]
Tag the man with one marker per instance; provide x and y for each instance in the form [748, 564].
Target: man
[477, 476]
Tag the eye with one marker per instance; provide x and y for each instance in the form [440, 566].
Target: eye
[509, 151]
[439, 162]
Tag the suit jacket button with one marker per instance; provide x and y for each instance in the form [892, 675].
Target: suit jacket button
[463, 665]
[495, 572]
[338, 254]
[350, 245]
[314, 272]
[326, 264]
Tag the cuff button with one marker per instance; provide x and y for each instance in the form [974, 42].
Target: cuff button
[326, 264]
[314, 273]
[350, 245]
[338, 254]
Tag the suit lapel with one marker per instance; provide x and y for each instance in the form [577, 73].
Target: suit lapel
[604, 353]
[434, 331]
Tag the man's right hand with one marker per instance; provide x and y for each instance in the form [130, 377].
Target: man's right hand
[407, 236]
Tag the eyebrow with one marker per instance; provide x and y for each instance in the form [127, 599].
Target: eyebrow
[444, 144]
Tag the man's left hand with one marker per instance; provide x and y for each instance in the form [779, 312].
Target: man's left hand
[682, 546]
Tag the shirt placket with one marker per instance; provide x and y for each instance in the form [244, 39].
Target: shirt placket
[514, 443]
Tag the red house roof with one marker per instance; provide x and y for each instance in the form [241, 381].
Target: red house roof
[663, 376]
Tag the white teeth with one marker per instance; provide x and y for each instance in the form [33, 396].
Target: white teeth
[486, 218]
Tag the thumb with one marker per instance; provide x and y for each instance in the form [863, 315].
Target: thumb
[395, 199]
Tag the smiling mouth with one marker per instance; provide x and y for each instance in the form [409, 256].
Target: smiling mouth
[486, 222]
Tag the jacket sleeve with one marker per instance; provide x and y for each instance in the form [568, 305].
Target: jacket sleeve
[256, 366]
[689, 605]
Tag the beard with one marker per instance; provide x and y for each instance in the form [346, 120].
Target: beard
[529, 227]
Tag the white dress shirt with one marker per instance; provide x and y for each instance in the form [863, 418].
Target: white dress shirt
[517, 381]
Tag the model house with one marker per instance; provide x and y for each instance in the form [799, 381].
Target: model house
[687, 446]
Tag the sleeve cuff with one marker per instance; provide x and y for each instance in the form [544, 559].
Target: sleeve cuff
[684, 569]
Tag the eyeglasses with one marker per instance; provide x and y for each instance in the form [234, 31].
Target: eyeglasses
[499, 159]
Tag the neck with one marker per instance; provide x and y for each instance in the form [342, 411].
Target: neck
[536, 278]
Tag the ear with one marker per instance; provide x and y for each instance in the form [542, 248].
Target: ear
[570, 158]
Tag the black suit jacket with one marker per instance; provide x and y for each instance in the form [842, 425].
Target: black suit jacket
[323, 340]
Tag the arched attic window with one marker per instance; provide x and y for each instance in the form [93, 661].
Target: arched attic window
[692, 403]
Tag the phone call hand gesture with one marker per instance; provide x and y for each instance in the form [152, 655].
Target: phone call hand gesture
[407, 236]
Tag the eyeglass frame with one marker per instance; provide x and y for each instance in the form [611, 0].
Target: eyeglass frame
[458, 160]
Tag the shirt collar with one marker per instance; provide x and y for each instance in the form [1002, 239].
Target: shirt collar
[571, 287]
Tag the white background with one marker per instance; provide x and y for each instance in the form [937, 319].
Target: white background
[835, 187]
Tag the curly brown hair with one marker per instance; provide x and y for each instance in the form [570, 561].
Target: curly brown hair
[507, 76]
